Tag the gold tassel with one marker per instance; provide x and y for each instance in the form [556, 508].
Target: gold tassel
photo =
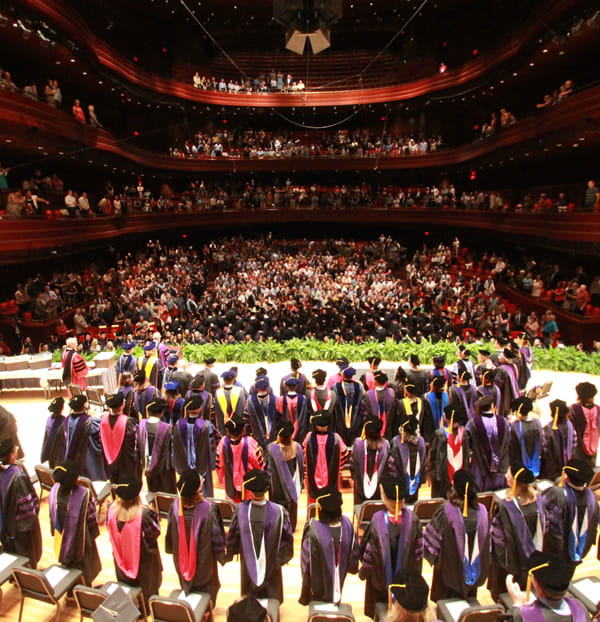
[244, 486]
[564, 473]
[397, 506]
[363, 434]
[466, 501]
[390, 586]
[519, 409]
[451, 422]
[317, 504]
[529, 575]
[555, 423]
[513, 489]
[403, 437]
[61, 468]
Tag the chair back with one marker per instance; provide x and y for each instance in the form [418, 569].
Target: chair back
[95, 398]
[426, 508]
[75, 389]
[368, 509]
[34, 584]
[88, 599]
[483, 613]
[227, 509]
[162, 503]
[45, 477]
[170, 610]
[487, 499]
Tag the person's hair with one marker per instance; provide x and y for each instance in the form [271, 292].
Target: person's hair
[127, 510]
[455, 499]
[328, 516]
[126, 379]
[523, 489]
[547, 592]
[289, 449]
[194, 500]
[400, 614]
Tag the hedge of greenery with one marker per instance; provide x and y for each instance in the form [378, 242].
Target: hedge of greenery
[555, 359]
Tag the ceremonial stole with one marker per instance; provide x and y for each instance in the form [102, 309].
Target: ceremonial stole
[65, 534]
[578, 533]
[512, 375]
[6, 480]
[408, 407]
[529, 542]
[315, 403]
[370, 380]
[67, 373]
[454, 452]
[468, 401]
[126, 543]
[379, 407]
[532, 462]
[186, 548]
[371, 482]
[535, 612]
[348, 407]
[112, 437]
[228, 406]
[149, 364]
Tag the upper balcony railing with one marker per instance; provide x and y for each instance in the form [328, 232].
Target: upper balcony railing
[74, 26]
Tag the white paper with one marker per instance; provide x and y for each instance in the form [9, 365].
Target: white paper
[99, 486]
[6, 559]
[112, 587]
[192, 599]
[56, 574]
[331, 607]
[543, 484]
[264, 602]
[457, 607]
[590, 589]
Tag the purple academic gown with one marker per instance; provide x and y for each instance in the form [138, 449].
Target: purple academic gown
[156, 456]
[83, 445]
[278, 549]
[382, 465]
[490, 451]
[318, 559]
[285, 484]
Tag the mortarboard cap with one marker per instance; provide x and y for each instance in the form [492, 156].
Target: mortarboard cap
[551, 571]
[197, 382]
[262, 383]
[209, 361]
[139, 376]
[462, 479]
[522, 405]
[579, 472]
[67, 473]
[248, 609]
[260, 371]
[348, 372]
[118, 606]
[188, 483]
[171, 386]
[458, 414]
[228, 374]
[194, 402]
[56, 405]
[295, 364]
[116, 400]
[128, 346]
[256, 480]
[409, 387]
[374, 360]
[508, 354]
[77, 402]
[380, 377]
[415, 360]
[319, 376]
[410, 590]
[286, 429]
[321, 418]
[342, 362]
[235, 425]
[521, 473]
[149, 346]
[291, 382]
[172, 359]
[484, 352]
[439, 361]
[439, 382]
[330, 500]
[156, 406]
[129, 489]
[373, 427]
[394, 488]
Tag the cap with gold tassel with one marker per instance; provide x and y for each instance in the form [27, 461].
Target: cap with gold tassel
[403, 437]
[244, 483]
[390, 588]
[317, 504]
[451, 422]
[529, 577]
[564, 473]
[555, 420]
[397, 504]
[513, 488]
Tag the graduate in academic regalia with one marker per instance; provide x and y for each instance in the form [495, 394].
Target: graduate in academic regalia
[79, 440]
[51, 443]
[302, 383]
[260, 532]
[170, 371]
[393, 541]
[292, 406]
[342, 363]
[380, 402]
[197, 388]
[409, 598]
[346, 421]
[560, 441]
[417, 376]
[457, 542]
[527, 436]
[154, 447]
[126, 363]
[413, 406]
[484, 364]
[463, 365]
[489, 440]
[370, 460]
[195, 537]
[518, 530]
[319, 397]
[506, 379]
[326, 453]
[437, 400]
[285, 466]
[74, 367]
[368, 378]
[151, 365]
[126, 388]
[550, 577]
[525, 359]
[585, 416]
[464, 394]
[487, 387]
[230, 400]
[330, 551]
[133, 529]
[449, 451]
[236, 455]
[118, 438]
[194, 443]
[144, 393]
[409, 456]
[74, 522]
[571, 513]
[262, 412]
[173, 403]
[211, 380]
[20, 532]
[440, 370]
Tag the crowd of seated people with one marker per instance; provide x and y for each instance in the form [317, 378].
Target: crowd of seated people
[271, 82]
[287, 144]
[240, 289]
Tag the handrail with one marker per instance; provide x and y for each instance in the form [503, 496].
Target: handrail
[72, 24]
[20, 113]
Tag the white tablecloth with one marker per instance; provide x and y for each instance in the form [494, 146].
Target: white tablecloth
[40, 378]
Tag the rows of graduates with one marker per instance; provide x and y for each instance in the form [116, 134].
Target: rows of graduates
[258, 442]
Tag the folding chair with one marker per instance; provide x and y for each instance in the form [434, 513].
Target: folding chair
[363, 513]
[227, 509]
[487, 499]
[134, 591]
[100, 490]
[45, 477]
[195, 607]
[162, 502]
[329, 612]
[587, 591]
[426, 508]
[75, 389]
[47, 586]
[95, 398]
[88, 599]
[8, 562]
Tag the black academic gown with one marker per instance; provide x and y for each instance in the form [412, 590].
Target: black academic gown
[51, 445]
[209, 538]
[127, 463]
